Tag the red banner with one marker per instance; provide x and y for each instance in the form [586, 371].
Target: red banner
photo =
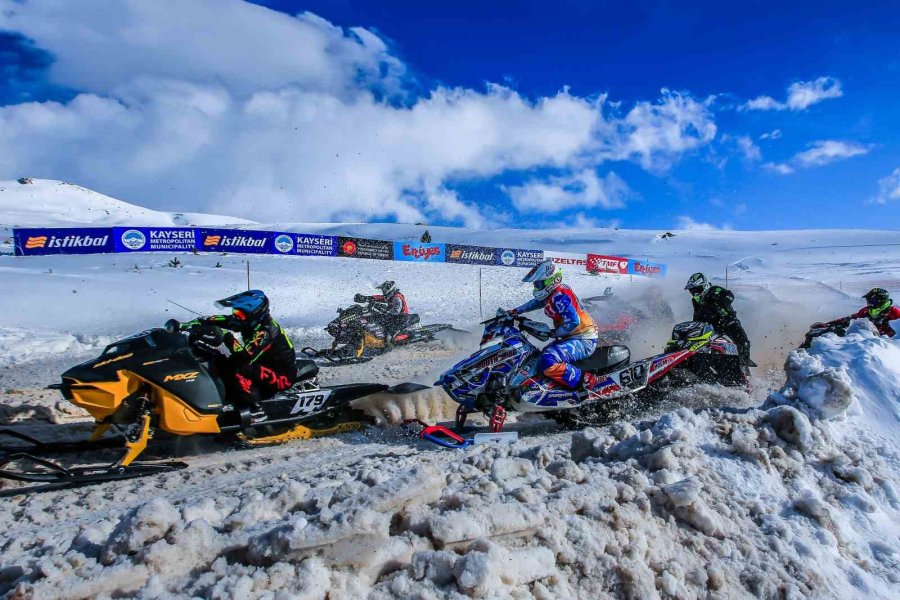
[598, 263]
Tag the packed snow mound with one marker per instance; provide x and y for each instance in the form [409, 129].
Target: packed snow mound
[19, 346]
[50, 203]
[858, 373]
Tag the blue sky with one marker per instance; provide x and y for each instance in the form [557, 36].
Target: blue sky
[777, 115]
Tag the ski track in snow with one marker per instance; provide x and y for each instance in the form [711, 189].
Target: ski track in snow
[790, 491]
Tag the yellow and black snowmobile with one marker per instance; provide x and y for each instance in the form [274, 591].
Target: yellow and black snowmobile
[165, 379]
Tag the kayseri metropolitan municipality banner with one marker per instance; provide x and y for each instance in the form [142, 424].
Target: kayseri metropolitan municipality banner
[154, 239]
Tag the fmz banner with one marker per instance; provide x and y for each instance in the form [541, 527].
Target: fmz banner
[76, 240]
[154, 239]
[235, 240]
[419, 252]
[353, 247]
[599, 263]
[471, 255]
[646, 268]
[513, 257]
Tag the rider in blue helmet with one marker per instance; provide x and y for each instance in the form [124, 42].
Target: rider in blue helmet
[263, 362]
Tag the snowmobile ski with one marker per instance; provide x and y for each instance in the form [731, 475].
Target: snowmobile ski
[54, 476]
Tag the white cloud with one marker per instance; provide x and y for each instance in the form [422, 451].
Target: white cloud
[780, 168]
[828, 151]
[803, 94]
[580, 190]
[658, 133]
[685, 222]
[888, 188]
[273, 117]
[748, 148]
[819, 153]
[800, 95]
[771, 135]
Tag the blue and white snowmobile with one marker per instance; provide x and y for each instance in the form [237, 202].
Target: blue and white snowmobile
[503, 375]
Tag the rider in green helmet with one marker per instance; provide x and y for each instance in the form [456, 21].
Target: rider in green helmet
[879, 309]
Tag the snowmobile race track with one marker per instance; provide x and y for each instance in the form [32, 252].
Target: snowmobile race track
[789, 491]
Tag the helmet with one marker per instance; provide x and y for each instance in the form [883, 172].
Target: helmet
[609, 292]
[697, 285]
[387, 287]
[546, 277]
[878, 301]
[251, 307]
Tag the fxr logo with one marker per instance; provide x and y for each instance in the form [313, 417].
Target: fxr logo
[189, 376]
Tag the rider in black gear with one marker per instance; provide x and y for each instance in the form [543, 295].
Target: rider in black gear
[263, 362]
[713, 305]
[391, 305]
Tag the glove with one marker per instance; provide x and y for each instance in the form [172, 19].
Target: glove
[231, 342]
[359, 298]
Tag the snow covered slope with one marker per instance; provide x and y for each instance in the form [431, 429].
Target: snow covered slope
[49, 203]
[791, 491]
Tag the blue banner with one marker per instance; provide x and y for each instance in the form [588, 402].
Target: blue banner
[419, 252]
[305, 244]
[514, 257]
[63, 240]
[154, 239]
[646, 268]
[235, 240]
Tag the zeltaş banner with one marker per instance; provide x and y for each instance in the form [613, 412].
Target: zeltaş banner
[235, 240]
[567, 259]
[154, 239]
[64, 240]
[418, 252]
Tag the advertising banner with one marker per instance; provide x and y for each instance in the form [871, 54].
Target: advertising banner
[362, 248]
[419, 252]
[235, 240]
[64, 240]
[154, 239]
[471, 255]
[513, 257]
[646, 268]
[578, 262]
[599, 263]
[308, 244]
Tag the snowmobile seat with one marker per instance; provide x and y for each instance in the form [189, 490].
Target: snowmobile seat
[605, 359]
[306, 369]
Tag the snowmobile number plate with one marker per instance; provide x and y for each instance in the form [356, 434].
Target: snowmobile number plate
[634, 376]
[310, 401]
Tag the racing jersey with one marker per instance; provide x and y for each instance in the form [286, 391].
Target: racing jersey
[570, 320]
[265, 344]
[396, 303]
[881, 322]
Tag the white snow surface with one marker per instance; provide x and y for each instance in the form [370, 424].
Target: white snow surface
[790, 491]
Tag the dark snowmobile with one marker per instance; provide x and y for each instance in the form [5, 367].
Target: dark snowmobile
[359, 335]
[820, 329]
[164, 379]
